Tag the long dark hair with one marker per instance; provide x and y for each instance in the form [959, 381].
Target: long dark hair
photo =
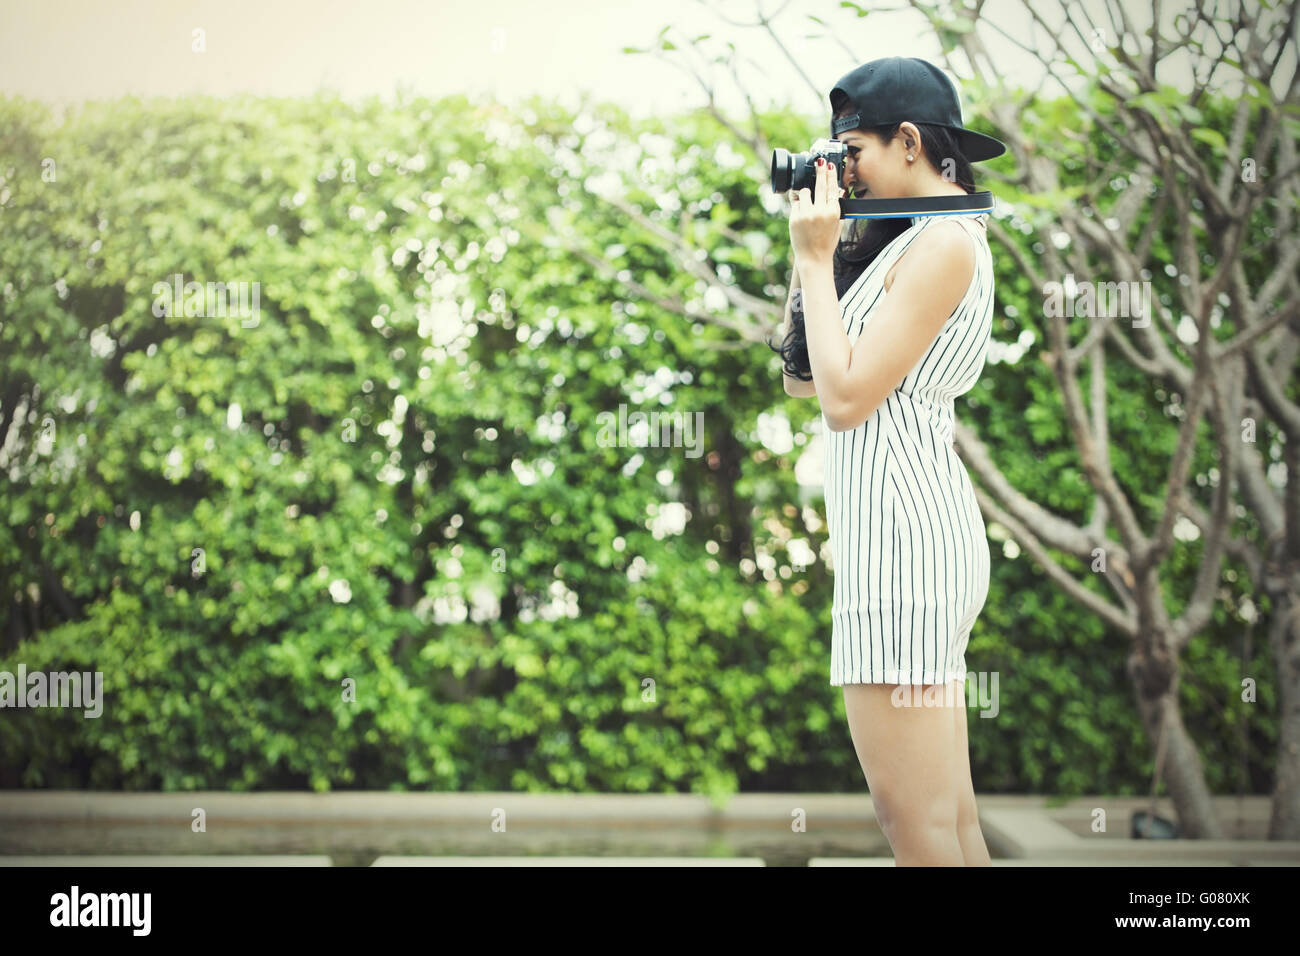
[863, 243]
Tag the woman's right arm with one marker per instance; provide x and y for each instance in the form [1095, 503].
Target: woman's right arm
[794, 386]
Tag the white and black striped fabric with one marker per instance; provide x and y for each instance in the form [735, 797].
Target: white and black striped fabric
[908, 545]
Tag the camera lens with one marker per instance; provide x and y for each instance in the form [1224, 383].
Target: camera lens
[782, 170]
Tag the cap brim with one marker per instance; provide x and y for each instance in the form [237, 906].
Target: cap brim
[977, 147]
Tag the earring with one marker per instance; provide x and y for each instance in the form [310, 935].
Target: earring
[909, 158]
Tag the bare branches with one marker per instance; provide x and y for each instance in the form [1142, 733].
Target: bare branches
[1226, 386]
[1123, 622]
[1054, 531]
[686, 257]
[1202, 384]
[1240, 341]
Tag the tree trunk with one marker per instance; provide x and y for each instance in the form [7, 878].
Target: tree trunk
[1284, 628]
[1181, 768]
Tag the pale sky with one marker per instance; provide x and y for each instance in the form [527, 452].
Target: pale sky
[63, 51]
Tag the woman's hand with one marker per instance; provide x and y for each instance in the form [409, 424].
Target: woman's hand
[815, 223]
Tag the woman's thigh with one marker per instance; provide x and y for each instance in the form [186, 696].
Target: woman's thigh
[907, 741]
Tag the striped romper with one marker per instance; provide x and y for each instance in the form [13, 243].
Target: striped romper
[908, 545]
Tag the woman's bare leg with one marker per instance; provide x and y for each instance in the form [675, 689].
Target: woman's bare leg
[907, 756]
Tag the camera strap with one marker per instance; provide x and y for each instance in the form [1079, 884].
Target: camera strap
[971, 204]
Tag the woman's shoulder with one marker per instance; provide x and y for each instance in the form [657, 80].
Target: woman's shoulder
[980, 221]
[951, 229]
[974, 226]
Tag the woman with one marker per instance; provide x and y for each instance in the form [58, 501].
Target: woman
[894, 325]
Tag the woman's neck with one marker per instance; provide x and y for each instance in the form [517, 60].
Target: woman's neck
[942, 188]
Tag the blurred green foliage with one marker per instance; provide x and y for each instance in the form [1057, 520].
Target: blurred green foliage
[417, 434]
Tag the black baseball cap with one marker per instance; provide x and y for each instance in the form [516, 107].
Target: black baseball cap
[897, 88]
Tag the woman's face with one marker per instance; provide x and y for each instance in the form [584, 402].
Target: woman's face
[872, 167]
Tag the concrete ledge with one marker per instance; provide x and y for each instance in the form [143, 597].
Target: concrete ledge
[566, 861]
[218, 860]
[1026, 832]
[1032, 835]
[851, 861]
[1041, 861]
[559, 809]
[1074, 861]
[1180, 852]
[752, 828]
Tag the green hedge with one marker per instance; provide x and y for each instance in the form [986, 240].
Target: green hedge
[377, 234]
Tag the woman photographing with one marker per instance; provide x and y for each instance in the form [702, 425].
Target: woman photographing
[886, 326]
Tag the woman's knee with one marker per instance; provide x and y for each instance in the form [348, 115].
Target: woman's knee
[967, 812]
[910, 810]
